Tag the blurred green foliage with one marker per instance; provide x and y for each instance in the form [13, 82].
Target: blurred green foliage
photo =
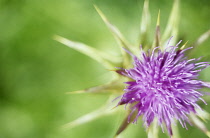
[36, 71]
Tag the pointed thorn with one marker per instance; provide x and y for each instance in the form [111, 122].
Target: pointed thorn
[183, 46]
[76, 92]
[158, 19]
[202, 38]
[145, 24]
[58, 38]
[101, 14]
[208, 134]
[123, 126]
[113, 107]
[157, 32]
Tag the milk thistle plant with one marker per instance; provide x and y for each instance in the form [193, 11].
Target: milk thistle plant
[157, 82]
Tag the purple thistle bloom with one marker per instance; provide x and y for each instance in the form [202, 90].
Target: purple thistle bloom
[163, 85]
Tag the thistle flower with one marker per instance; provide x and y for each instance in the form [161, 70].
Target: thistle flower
[162, 84]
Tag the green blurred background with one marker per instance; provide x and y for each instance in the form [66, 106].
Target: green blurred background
[36, 71]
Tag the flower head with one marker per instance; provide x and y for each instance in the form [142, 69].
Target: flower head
[164, 85]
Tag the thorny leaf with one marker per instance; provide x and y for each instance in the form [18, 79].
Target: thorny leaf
[118, 36]
[157, 32]
[153, 129]
[107, 60]
[145, 25]
[197, 122]
[90, 116]
[172, 25]
[203, 114]
[175, 131]
[114, 86]
[202, 38]
[125, 123]
[123, 126]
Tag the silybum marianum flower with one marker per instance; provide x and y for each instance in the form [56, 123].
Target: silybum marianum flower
[161, 85]
[164, 85]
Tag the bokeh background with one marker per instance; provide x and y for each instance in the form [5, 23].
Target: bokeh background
[36, 71]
